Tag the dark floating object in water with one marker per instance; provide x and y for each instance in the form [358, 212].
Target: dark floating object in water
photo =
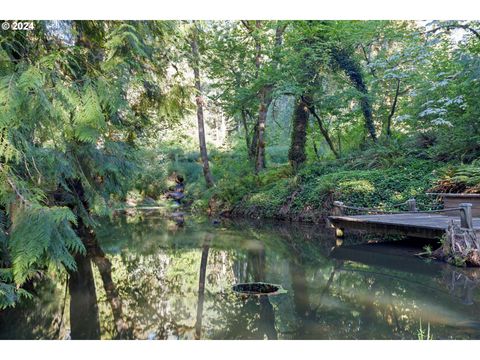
[258, 289]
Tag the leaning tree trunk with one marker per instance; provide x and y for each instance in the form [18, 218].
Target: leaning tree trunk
[199, 101]
[392, 109]
[324, 130]
[296, 154]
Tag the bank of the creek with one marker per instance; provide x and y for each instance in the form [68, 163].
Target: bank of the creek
[333, 290]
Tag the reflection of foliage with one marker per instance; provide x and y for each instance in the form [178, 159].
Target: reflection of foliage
[156, 272]
[238, 320]
[39, 317]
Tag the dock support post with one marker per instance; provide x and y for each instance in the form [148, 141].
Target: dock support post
[412, 205]
[466, 220]
[339, 232]
[338, 211]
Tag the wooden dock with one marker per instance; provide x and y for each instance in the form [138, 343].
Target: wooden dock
[412, 223]
[420, 225]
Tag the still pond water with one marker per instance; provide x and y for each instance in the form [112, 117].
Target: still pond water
[367, 291]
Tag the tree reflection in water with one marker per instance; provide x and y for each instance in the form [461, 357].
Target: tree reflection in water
[201, 285]
[164, 284]
[122, 329]
[84, 312]
[84, 318]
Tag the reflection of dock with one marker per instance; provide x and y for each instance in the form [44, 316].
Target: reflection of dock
[427, 224]
[398, 260]
[389, 256]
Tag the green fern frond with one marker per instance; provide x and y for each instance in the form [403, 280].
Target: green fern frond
[89, 119]
[9, 293]
[39, 236]
[31, 79]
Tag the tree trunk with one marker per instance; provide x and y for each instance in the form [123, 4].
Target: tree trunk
[245, 127]
[323, 129]
[253, 144]
[345, 62]
[392, 110]
[262, 121]
[264, 95]
[199, 101]
[262, 109]
[296, 154]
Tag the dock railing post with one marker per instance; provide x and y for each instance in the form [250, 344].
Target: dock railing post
[466, 220]
[412, 205]
[338, 208]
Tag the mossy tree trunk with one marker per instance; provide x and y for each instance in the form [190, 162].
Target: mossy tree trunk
[296, 154]
[343, 59]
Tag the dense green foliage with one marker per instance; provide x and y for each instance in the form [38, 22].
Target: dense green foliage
[73, 99]
[297, 114]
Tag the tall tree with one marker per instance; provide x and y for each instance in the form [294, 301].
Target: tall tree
[305, 53]
[265, 84]
[199, 101]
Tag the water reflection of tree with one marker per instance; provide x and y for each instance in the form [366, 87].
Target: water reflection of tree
[308, 315]
[84, 319]
[148, 285]
[201, 286]
[158, 282]
[354, 301]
